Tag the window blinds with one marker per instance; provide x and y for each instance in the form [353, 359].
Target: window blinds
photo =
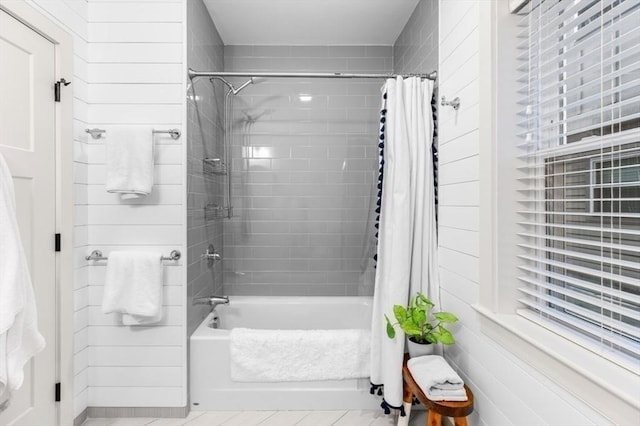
[579, 239]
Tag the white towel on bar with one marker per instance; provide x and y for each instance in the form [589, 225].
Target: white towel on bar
[436, 378]
[299, 355]
[130, 162]
[133, 286]
[19, 335]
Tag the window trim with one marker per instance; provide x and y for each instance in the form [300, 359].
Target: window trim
[603, 385]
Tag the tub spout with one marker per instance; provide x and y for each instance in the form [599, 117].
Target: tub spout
[213, 301]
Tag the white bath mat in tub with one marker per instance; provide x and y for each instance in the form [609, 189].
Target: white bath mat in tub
[299, 355]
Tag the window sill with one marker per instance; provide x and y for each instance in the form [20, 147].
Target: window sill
[610, 389]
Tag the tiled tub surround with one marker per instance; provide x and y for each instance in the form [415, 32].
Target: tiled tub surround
[416, 48]
[304, 166]
[205, 127]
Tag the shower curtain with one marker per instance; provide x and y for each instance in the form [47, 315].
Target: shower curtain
[407, 247]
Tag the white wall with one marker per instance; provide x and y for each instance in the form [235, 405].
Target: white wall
[507, 390]
[136, 80]
[128, 71]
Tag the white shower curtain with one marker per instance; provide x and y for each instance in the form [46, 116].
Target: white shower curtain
[407, 248]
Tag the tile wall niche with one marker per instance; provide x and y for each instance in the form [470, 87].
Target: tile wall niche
[304, 162]
[205, 184]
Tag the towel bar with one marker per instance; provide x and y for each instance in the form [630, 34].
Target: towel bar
[174, 133]
[97, 133]
[97, 255]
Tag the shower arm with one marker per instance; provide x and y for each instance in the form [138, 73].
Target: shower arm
[232, 88]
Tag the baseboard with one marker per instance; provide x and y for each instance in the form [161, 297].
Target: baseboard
[80, 418]
[160, 412]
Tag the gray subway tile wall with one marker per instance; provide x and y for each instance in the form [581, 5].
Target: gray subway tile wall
[416, 48]
[205, 132]
[304, 172]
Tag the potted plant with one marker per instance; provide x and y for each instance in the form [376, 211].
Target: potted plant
[422, 327]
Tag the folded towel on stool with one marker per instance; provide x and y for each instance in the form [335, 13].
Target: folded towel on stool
[436, 378]
[446, 394]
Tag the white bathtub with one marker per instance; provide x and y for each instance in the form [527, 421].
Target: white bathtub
[211, 385]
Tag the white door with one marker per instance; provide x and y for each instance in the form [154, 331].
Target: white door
[27, 141]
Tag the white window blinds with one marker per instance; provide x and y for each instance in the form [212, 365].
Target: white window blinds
[579, 257]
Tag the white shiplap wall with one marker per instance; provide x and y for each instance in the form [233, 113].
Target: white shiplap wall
[71, 15]
[136, 81]
[507, 390]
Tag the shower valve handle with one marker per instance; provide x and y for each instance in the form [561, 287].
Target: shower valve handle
[212, 256]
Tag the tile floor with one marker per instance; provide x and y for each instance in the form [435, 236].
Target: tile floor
[267, 418]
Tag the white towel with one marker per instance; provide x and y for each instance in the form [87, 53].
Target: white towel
[436, 378]
[19, 335]
[446, 394]
[133, 287]
[299, 355]
[130, 162]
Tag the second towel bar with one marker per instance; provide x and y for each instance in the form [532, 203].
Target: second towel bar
[97, 255]
[174, 133]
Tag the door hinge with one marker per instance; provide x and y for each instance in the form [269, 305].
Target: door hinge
[58, 391]
[57, 87]
[57, 242]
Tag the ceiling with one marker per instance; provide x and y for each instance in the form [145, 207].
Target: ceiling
[310, 22]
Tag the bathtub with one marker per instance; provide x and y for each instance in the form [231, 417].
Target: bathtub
[210, 382]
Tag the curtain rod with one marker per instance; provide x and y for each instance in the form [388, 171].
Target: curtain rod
[194, 74]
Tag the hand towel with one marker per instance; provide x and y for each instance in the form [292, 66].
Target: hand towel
[19, 335]
[434, 376]
[130, 162]
[133, 286]
[299, 355]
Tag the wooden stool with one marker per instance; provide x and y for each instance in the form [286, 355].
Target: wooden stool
[459, 410]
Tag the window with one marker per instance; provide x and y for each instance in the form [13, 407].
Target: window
[616, 178]
[579, 218]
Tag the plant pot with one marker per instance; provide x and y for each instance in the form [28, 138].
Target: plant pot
[419, 349]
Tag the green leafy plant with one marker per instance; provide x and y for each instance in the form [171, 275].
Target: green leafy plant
[420, 324]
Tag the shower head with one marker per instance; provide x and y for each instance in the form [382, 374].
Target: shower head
[233, 89]
[256, 80]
